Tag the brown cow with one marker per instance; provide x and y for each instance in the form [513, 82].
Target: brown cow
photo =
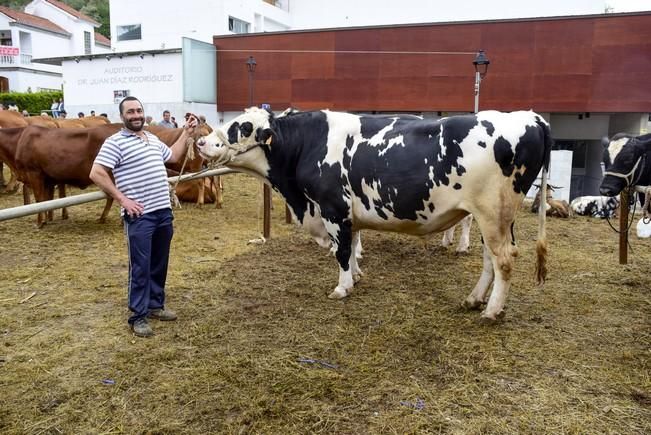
[46, 157]
[197, 192]
[10, 119]
[555, 207]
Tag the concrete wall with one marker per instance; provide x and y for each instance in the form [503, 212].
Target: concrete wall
[569, 126]
[633, 123]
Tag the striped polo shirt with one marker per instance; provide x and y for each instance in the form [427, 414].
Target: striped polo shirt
[138, 168]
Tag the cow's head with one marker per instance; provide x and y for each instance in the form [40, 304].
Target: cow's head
[624, 161]
[242, 134]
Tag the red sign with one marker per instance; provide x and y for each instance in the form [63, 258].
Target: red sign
[6, 50]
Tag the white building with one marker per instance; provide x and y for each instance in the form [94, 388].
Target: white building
[168, 67]
[47, 28]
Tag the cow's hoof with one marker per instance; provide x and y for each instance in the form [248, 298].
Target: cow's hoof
[492, 319]
[471, 303]
[338, 293]
[357, 276]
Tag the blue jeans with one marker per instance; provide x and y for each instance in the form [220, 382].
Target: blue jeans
[148, 241]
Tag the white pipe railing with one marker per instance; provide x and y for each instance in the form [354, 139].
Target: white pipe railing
[39, 207]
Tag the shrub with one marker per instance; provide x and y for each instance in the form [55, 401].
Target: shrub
[34, 102]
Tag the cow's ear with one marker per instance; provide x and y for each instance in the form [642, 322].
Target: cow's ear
[264, 135]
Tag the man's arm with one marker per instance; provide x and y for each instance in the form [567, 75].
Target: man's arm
[101, 176]
[179, 147]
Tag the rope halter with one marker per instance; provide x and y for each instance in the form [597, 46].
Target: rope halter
[630, 174]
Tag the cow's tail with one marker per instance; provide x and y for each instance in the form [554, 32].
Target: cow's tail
[541, 244]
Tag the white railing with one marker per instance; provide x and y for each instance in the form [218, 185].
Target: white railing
[39, 207]
[7, 60]
[25, 58]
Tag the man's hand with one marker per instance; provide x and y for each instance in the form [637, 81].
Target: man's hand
[132, 208]
[190, 124]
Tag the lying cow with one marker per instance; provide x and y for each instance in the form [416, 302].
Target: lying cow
[554, 207]
[352, 172]
[595, 206]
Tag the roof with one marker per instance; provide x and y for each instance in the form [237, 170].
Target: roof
[77, 58]
[101, 39]
[32, 20]
[72, 11]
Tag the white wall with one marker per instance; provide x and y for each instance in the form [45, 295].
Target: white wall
[157, 81]
[164, 22]
[310, 14]
[20, 81]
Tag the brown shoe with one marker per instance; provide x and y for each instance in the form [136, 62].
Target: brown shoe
[141, 328]
[162, 314]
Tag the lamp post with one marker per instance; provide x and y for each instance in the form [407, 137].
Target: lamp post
[250, 67]
[266, 190]
[481, 63]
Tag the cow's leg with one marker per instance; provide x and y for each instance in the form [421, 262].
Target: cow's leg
[342, 239]
[37, 184]
[478, 295]
[12, 186]
[498, 240]
[464, 238]
[354, 266]
[357, 242]
[448, 236]
[201, 192]
[26, 197]
[50, 196]
[107, 208]
[62, 194]
[219, 190]
[2, 174]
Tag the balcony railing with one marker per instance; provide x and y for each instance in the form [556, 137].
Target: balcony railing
[23, 59]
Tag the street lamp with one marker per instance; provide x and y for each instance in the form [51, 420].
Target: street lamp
[481, 63]
[250, 67]
[266, 190]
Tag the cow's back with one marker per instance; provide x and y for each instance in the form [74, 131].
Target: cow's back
[64, 155]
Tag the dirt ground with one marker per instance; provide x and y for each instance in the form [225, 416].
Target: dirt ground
[258, 347]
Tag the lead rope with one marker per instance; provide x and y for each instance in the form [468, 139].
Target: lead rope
[189, 155]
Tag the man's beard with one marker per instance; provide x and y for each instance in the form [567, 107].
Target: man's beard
[129, 124]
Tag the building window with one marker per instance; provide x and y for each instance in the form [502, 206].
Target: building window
[87, 42]
[119, 95]
[237, 26]
[129, 32]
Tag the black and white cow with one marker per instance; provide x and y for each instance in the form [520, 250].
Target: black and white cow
[627, 159]
[595, 206]
[350, 172]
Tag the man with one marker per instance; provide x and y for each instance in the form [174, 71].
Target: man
[80, 115]
[92, 113]
[136, 158]
[166, 122]
[63, 114]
